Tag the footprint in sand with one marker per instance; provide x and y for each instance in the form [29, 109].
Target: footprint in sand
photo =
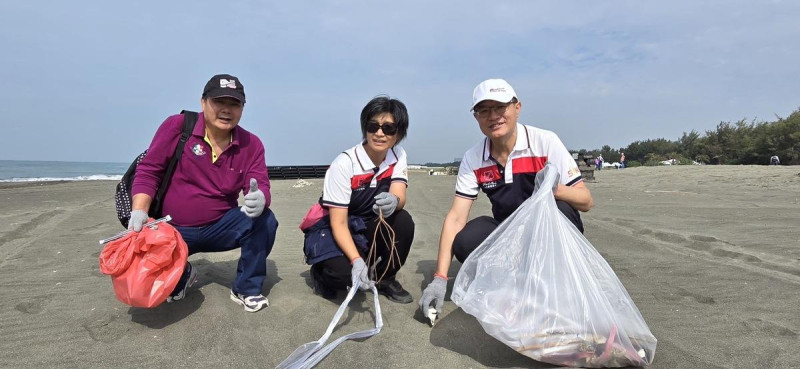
[769, 328]
[669, 237]
[682, 294]
[105, 327]
[697, 297]
[32, 306]
[735, 255]
[701, 238]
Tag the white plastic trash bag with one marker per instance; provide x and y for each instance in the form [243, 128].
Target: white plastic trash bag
[537, 285]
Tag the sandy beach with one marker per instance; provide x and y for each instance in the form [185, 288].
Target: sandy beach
[709, 254]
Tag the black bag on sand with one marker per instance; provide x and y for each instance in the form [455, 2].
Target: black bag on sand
[123, 197]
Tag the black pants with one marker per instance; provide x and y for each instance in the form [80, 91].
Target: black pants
[336, 272]
[476, 230]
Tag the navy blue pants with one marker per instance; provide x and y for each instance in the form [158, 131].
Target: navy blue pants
[255, 236]
[336, 273]
[478, 229]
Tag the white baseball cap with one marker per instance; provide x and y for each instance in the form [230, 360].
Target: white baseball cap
[493, 89]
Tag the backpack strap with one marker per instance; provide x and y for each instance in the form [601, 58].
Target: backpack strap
[189, 121]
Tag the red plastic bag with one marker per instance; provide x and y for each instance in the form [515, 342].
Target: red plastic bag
[145, 266]
[315, 213]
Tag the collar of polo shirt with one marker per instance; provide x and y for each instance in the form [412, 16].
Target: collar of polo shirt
[366, 163]
[521, 144]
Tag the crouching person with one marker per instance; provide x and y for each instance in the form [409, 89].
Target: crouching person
[362, 183]
[220, 160]
[503, 165]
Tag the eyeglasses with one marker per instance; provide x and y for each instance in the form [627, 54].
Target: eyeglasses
[497, 109]
[388, 129]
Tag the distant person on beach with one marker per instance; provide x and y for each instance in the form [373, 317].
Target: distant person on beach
[364, 182]
[219, 161]
[622, 160]
[503, 165]
[774, 160]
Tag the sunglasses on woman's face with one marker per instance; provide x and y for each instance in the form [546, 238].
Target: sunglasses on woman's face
[388, 129]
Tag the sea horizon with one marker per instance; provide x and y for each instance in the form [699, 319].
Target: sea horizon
[54, 170]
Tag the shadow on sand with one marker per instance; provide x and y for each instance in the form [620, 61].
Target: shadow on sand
[222, 273]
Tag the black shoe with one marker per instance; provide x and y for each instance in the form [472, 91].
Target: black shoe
[394, 291]
[321, 289]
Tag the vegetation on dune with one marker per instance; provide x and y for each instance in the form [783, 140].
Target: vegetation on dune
[741, 142]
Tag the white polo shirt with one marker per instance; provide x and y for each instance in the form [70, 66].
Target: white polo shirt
[352, 180]
[507, 187]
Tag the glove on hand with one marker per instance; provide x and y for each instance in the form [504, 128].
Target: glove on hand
[359, 273]
[434, 292]
[254, 201]
[138, 219]
[385, 203]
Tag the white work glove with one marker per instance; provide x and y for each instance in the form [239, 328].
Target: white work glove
[359, 273]
[254, 201]
[385, 203]
[433, 293]
[137, 220]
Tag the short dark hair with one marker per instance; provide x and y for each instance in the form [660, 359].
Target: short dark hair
[384, 104]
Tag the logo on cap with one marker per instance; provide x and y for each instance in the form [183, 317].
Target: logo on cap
[224, 83]
[499, 89]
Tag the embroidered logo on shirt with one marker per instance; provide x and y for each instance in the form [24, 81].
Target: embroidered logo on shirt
[198, 150]
[488, 177]
[224, 83]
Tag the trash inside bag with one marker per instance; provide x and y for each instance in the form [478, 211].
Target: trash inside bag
[145, 266]
[537, 285]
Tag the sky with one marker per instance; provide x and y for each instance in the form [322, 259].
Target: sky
[93, 80]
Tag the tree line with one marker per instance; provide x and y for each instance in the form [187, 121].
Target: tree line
[740, 142]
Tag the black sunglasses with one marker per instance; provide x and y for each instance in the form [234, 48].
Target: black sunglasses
[388, 129]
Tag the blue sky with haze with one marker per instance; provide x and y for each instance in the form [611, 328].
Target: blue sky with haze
[92, 80]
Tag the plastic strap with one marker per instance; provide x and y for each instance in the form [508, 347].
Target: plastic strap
[125, 233]
[309, 354]
[189, 121]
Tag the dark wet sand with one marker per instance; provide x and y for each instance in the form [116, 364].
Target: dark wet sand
[710, 255]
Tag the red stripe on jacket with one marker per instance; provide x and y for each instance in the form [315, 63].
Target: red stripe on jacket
[530, 164]
[359, 180]
[388, 173]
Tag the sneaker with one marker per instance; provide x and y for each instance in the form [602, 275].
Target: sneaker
[180, 293]
[251, 304]
[394, 291]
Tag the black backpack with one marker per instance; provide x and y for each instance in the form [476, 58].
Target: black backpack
[123, 197]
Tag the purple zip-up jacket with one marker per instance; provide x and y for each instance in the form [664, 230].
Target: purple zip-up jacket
[201, 192]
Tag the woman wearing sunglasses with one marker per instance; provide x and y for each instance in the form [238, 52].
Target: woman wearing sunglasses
[364, 182]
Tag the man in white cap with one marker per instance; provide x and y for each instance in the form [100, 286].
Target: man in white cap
[503, 165]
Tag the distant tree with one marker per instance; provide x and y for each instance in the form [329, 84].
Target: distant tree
[687, 142]
[740, 142]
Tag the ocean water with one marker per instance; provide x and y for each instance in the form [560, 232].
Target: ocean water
[33, 171]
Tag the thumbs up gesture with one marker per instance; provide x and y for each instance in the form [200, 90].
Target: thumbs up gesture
[254, 200]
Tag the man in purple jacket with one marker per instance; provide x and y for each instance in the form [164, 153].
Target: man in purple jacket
[220, 159]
